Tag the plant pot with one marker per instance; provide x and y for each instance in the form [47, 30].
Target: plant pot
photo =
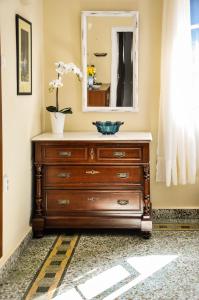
[90, 81]
[57, 122]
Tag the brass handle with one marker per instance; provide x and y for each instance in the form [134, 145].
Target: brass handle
[65, 153]
[119, 154]
[63, 202]
[92, 172]
[92, 199]
[123, 175]
[63, 175]
[123, 202]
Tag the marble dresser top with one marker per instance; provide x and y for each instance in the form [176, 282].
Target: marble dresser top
[94, 136]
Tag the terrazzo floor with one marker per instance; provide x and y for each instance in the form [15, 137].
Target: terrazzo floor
[116, 265]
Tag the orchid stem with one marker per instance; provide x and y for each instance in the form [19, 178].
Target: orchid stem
[57, 94]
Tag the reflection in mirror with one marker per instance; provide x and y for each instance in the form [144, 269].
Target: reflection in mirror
[110, 61]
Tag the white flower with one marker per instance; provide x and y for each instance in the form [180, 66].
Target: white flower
[71, 67]
[56, 83]
[77, 72]
[60, 67]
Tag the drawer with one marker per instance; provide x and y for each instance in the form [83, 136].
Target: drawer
[64, 176]
[62, 153]
[62, 201]
[127, 154]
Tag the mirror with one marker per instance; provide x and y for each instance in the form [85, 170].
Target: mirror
[110, 61]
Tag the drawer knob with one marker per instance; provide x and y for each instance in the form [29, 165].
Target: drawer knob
[123, 202]
[63, 202]
[92, 172]
[63, 175]
[65, 153]
[119, 154]
[123, 175]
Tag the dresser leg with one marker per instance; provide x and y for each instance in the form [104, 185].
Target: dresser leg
[38, 227]
[146, 228]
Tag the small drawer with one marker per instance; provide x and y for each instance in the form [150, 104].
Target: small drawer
[60, 153]
[62, 201]
[129, 154]
[93, 175]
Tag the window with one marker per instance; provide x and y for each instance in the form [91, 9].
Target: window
[195, 28]
[195, 44]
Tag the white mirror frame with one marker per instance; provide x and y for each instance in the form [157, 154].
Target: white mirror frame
[135, 30]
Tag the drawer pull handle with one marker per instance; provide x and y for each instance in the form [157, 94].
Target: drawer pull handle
[92, 172]
[63, 175]
[123, 202]
[63, 202]
[65, 153]
[123, 175]
[119, 154]
[91, 199]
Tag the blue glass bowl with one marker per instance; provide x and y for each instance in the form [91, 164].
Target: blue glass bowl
[108, 127]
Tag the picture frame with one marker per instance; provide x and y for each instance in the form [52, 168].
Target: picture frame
[24, 55]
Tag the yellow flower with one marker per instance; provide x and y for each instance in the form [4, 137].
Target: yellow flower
[91, 71]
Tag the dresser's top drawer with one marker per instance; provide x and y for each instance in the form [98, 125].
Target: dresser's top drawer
[124, 153]
[62, 153]
[63, 201]
[92, 153]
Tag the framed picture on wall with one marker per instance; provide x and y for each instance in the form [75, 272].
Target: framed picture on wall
[24, 56]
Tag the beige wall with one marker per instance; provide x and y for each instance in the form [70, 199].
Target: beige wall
[63, 42]
[21, 121]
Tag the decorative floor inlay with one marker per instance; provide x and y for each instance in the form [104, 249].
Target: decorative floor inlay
[45, 270]
[53, 268]
[123, 266]
[176, 226]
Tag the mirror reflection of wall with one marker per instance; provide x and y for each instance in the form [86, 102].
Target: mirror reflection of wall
[110, 50]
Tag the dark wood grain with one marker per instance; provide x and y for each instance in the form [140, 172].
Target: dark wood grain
[99, 97]
[62, 201]
[92, 184]
[68, 176]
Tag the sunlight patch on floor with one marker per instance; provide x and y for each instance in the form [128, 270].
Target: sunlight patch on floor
[82, 276]
[71, 294]
[145, 265]
[100, 283]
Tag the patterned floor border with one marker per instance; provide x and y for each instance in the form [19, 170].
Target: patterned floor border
[176, 227]
[57, 261]
[49, 276]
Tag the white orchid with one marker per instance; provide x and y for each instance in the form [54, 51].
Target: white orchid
[56, 83]
[61, 69]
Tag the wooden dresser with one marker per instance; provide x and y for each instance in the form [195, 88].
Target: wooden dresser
[87, 180]
[99, 97]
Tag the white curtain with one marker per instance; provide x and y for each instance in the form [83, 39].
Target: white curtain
[178, 132]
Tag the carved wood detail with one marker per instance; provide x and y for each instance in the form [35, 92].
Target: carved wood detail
[38, 192]
[147, 202]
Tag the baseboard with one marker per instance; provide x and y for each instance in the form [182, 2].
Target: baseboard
[175, 214]
[10, 263]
